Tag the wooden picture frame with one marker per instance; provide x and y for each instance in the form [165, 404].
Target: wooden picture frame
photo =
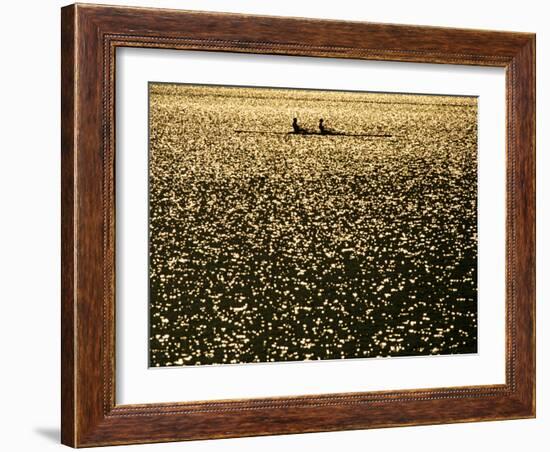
[90, 36]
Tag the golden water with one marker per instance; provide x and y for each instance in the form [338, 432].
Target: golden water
[271, 246]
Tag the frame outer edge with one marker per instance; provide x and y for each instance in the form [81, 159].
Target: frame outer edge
[534, 227]
[526, 219]
[68, 230]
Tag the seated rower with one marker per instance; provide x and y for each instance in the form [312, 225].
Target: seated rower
[325, 130]
[296, 127]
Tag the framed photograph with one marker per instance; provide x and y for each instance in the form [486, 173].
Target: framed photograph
[280, 225]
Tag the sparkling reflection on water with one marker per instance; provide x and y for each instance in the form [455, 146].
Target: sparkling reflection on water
[280, 247]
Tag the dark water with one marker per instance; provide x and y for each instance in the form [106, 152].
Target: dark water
[279, 247]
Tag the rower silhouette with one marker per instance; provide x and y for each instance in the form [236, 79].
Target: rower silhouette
[296, 127]
[324, 130]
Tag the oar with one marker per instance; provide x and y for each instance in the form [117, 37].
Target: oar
[263, 132]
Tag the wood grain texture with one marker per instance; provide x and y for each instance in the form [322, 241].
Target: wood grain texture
[67, 225]
[90, 36]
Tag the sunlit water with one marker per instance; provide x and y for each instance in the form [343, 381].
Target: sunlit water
[281, 247]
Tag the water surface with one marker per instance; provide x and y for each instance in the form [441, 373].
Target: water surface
[271, 246]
